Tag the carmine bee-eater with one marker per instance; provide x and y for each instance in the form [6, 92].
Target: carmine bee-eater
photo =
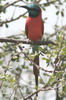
[34, 31]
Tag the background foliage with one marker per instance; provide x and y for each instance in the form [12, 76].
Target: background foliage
[16, 76]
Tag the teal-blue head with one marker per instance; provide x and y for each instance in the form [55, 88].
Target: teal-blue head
[33, 9]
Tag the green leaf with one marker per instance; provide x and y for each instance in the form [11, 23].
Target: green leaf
[59, 74]
[1, 62]
[15, 98]
[64, 88]
[52, 80]
[6, 25]
[24, 16]
[45, 18]
[62, 13]
[14, 58]
[57, 6]
[57, 12]
[1, 8]
[64, 49]
[40, 49]
[46, 59]
[43, 8]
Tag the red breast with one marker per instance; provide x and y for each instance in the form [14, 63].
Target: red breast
[34, 28]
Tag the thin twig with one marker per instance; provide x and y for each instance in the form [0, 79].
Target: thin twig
[11, 20]
[8, 5]
[45, 88]
[40, 68]
[47, 4]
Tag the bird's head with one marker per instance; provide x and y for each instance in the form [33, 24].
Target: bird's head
[33, 9]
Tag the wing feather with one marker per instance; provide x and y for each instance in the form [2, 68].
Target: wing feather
[42, 27]
[26, 30]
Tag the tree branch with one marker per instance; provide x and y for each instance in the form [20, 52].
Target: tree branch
[27, 42]
[40, 68]
[45, 88]
[48, 3]
[11, 20]
[8, 5]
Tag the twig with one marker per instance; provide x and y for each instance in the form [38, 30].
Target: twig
[11, 20]
[24, 2]
[13, 13]
[47, 4]
[40, 68]
[45, 88]
[8, 5]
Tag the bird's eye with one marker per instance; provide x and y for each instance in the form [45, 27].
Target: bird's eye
[34, 9]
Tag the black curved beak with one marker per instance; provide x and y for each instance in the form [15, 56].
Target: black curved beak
[26, 7]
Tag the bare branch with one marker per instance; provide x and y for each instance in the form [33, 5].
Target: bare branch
[27, 42]
[11, 20]
[47, 4]
[8, 5]
[45, 88]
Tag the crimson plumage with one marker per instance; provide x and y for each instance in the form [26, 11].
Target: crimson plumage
[34, 27]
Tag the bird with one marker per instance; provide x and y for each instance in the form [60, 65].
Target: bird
[34, 31]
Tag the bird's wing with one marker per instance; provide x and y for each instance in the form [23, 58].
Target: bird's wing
[42, 27]
[26, 30]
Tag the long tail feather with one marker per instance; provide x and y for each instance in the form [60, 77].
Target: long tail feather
[36, 71]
